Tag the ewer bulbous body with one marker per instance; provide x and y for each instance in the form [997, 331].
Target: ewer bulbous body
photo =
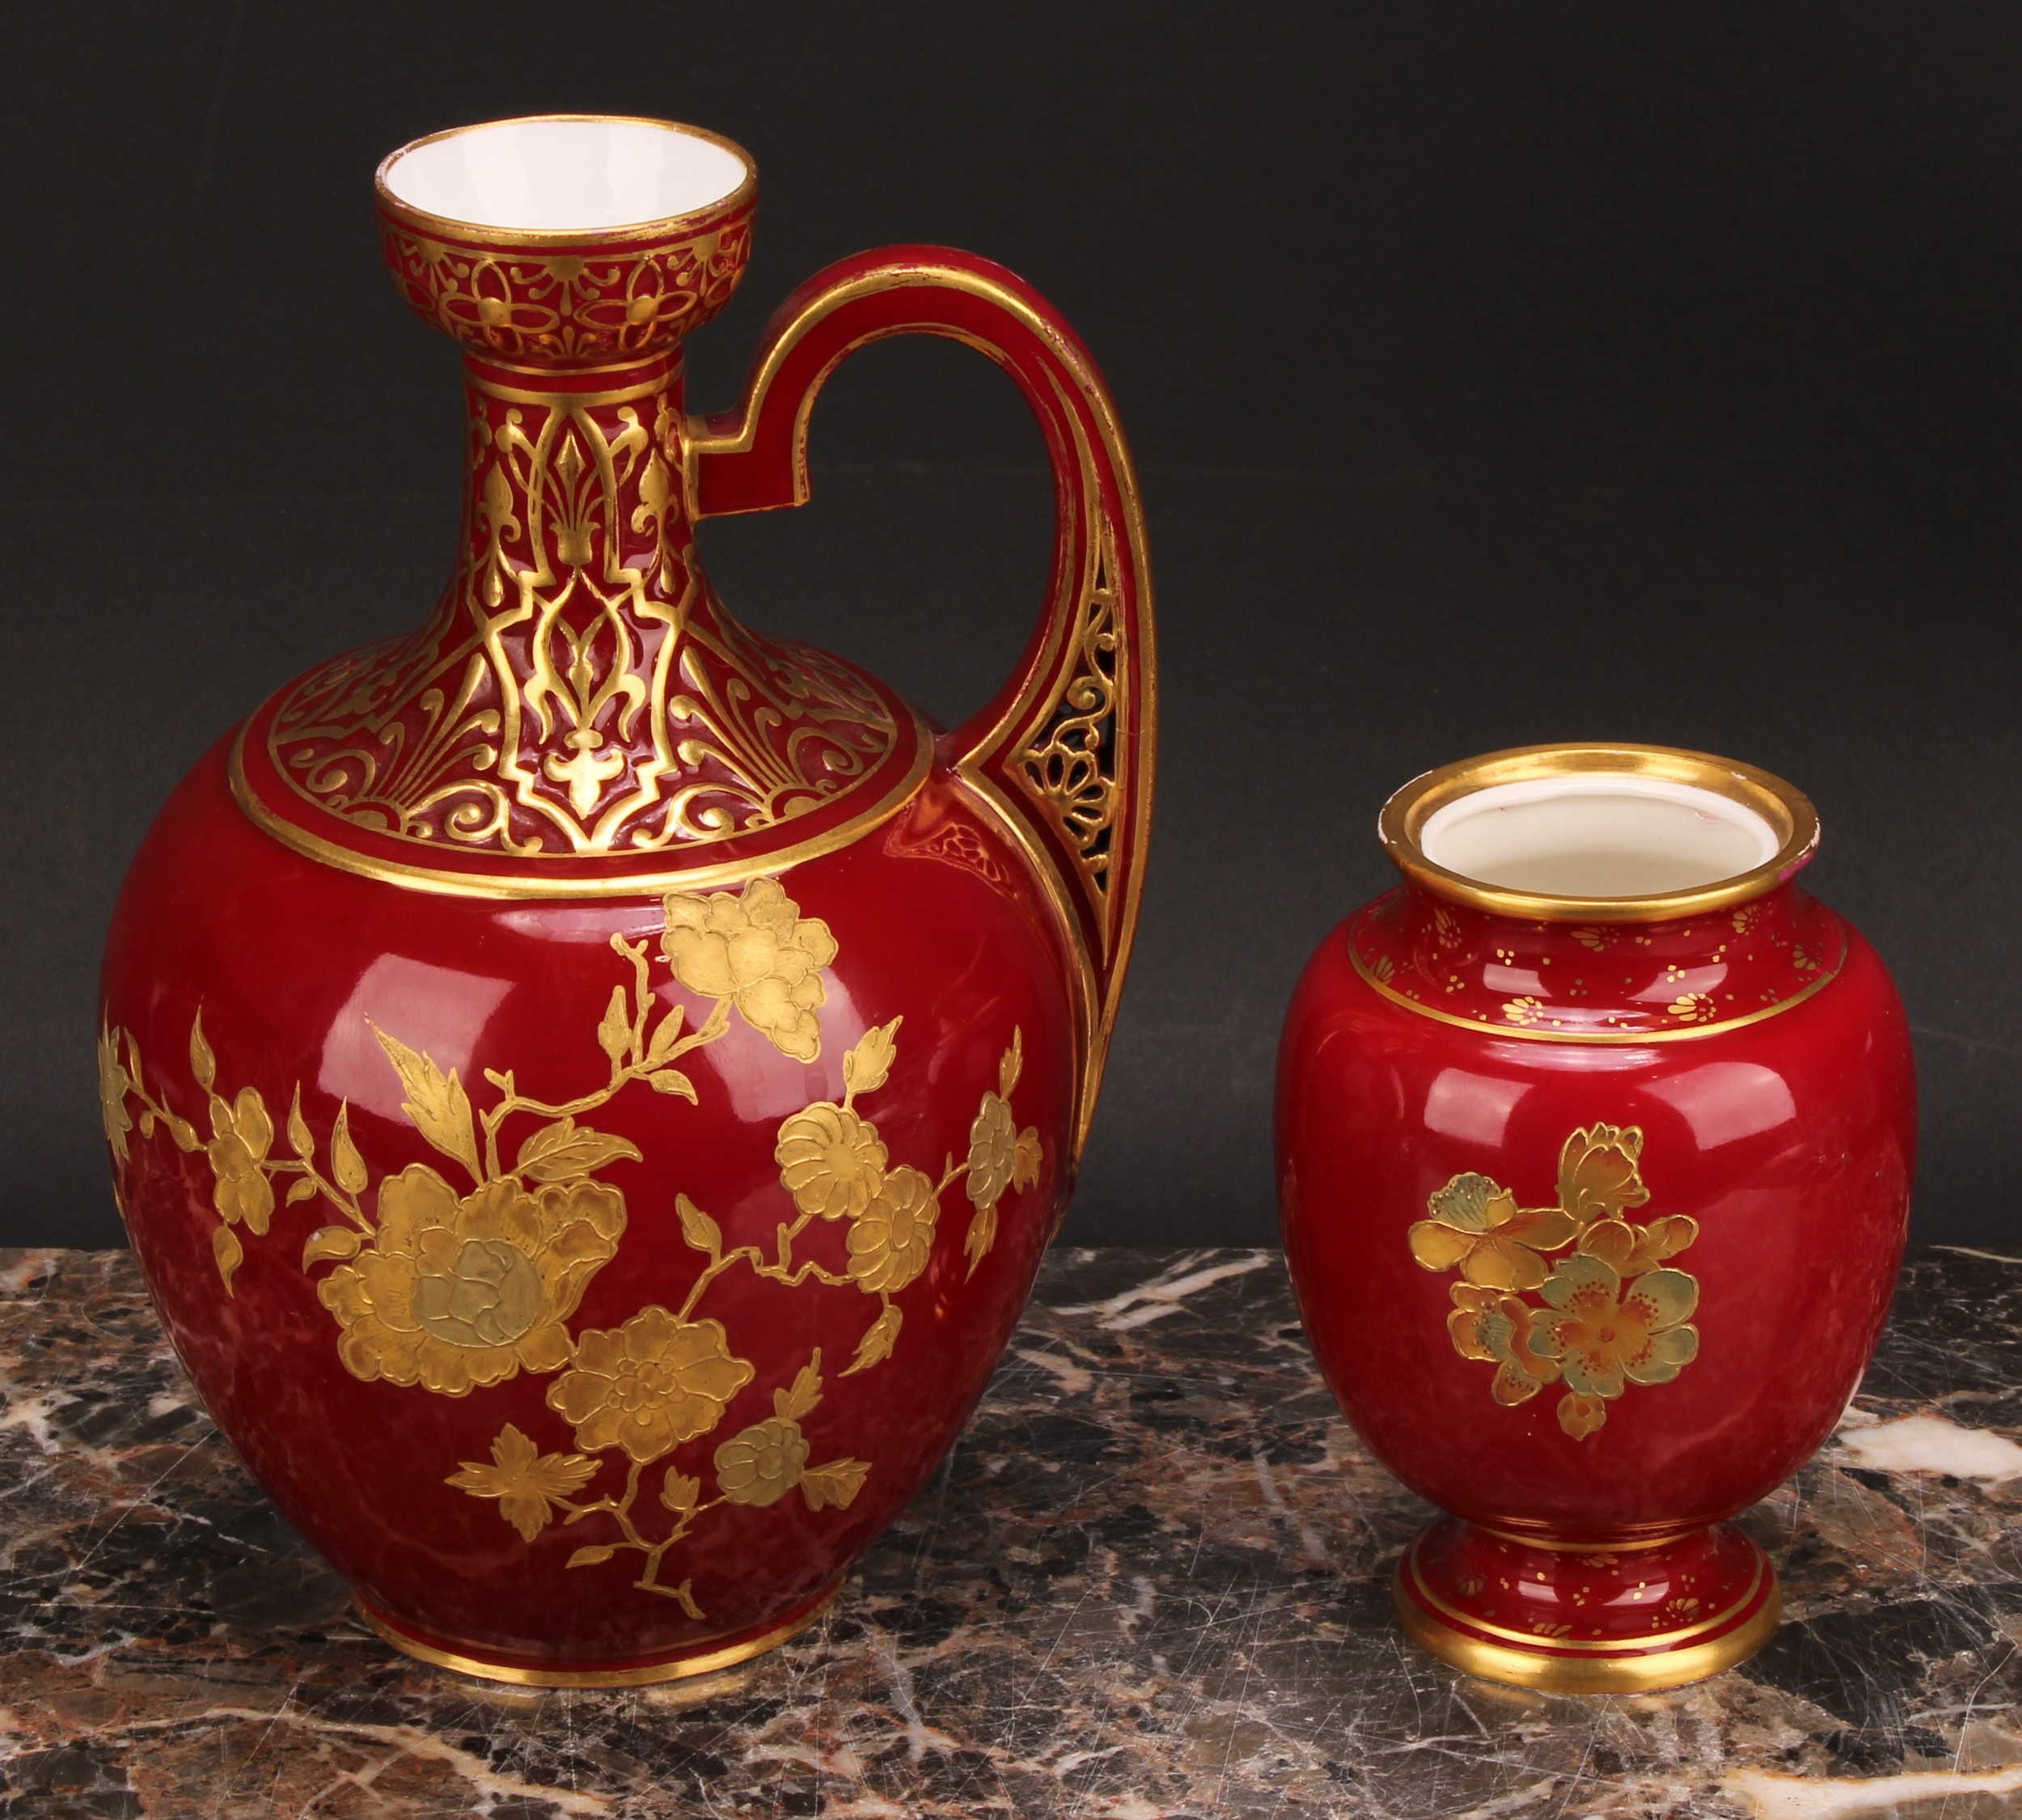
[1595, 1140]
[588, 1085]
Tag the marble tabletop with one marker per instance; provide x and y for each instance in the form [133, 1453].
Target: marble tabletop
[1150, 1580]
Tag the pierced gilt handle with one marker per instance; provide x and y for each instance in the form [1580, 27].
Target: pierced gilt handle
[1064, 752]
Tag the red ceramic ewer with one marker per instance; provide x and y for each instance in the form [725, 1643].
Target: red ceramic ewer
[1595, 1139]
[588, 1085]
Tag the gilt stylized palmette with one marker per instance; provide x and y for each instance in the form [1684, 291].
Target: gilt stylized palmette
[452, 1292]
[569, 698]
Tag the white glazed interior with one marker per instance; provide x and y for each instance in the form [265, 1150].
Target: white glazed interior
[535, 175]
[1597, 834]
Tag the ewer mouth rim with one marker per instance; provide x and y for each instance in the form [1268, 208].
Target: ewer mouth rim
[1787, 823]
[670, 227]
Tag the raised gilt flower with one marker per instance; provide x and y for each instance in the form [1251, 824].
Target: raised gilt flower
[763, 1463]
[241, 1134]
[455, 1293]
[1600, 1172]
[831, 1162]
[529, 1484]
[648, 1385]
[1490, 1326]
[112, 1088]
[1606, 1335]
[1631, 1249]
[993, 1151]
[756, 950]
[1580, 1415]
[890, 1243]
[1476, 1224]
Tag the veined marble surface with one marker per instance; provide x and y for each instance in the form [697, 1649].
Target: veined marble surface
[1150, 1580]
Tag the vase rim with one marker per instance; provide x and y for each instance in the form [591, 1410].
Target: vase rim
[1735, 831]
[622, 214]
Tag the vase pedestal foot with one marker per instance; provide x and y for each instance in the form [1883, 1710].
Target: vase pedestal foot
[1586, 1616]
[703, 1657]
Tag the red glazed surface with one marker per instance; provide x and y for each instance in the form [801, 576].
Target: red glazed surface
[1790, 1140]
[588, 1085]
[934, 921]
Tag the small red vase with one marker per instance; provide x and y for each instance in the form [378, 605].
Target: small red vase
[588, 1085]
[1595, 1139]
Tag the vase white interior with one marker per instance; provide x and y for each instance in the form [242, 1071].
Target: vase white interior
[1597, 834]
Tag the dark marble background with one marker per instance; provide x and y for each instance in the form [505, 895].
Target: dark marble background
[1149, 1583]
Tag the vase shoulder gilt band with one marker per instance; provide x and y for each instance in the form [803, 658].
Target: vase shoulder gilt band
[1678, 965]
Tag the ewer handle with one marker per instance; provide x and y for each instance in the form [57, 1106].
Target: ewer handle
[1063, 753]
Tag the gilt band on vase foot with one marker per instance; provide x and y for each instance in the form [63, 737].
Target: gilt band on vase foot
[1583, 1618]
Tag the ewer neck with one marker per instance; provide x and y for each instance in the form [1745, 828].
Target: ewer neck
[578, 713]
